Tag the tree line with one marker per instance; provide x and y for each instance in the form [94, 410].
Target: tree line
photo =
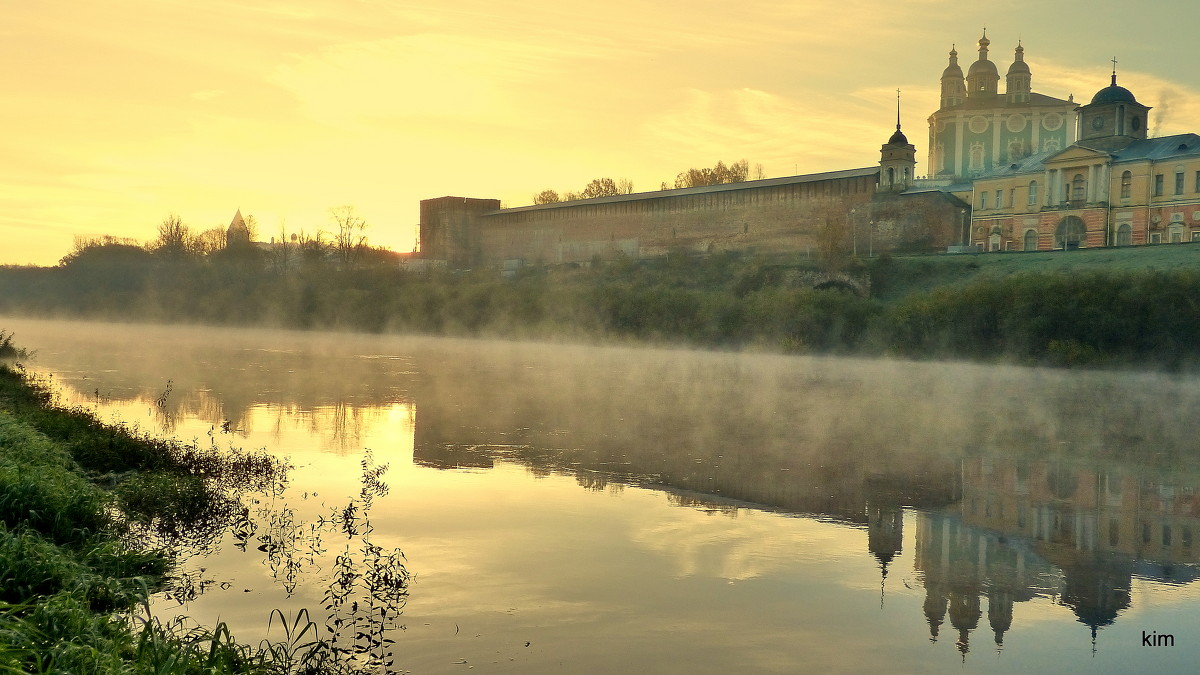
[695, 177]
[725, 300]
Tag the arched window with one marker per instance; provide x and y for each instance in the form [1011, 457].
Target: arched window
[1124, 234]
[1069, 234]
[1033, 193]
[1030, 240]
[976, 159]
[1078, 188]
[891, 176]
[1126, 184]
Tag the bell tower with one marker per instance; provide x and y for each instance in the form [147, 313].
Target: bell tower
[897, 159]
[1113, 119]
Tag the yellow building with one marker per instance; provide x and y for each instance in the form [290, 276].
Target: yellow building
[1112, 187]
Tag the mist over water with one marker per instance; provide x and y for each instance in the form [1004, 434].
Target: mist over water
[678, 511]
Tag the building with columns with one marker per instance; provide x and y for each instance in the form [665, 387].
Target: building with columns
[1112, 187]
[977, 128]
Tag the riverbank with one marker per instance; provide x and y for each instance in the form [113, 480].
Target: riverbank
[1101, 307]
[78, 561]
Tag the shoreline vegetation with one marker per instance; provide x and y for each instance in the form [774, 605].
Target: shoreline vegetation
[1093, 308]
[85, 512]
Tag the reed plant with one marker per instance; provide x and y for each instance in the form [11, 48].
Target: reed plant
[75, 584]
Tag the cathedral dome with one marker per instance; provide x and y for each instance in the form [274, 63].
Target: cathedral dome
[983, 67]
[1018, 67]
[1114, 94]
[953, 70]
[898, 138]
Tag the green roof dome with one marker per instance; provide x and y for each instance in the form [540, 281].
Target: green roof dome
[1114, 94]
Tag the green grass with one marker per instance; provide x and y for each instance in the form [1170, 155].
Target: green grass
[74, 588]
[896, 277]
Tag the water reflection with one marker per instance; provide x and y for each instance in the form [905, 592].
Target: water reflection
[1019, 487]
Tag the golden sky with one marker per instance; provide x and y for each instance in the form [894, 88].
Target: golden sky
[121, 112]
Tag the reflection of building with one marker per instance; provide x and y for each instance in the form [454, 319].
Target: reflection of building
[1068, 530]
[961, 563]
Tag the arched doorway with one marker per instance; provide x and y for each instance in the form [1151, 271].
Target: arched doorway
[1070, 233]
[1030, 240]
[1124, 235]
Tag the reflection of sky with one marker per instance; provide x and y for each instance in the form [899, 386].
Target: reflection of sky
[605, 580]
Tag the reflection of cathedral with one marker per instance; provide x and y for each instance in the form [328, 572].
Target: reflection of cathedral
[1070, 531]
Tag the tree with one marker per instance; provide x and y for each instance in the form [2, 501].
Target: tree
[546, 197]
[210, 241]
[831, 225]
[734, 173]
[601, 187]
[174, 237]
[350, 240]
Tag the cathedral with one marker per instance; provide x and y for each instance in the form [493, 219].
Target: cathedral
[1011, 171]
[977, 128]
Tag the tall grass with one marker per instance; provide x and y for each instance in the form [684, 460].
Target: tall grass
[74, 585]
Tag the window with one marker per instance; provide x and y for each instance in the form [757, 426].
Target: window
[983, 200]
[1114, 532]
[1178, 182]
[1158, 185]
[1033, 190]
[1127, 183]
[976, 157]
[1030, 240]
[1197, 181]
[1078, 188]
[999, 199]
[1166, 535]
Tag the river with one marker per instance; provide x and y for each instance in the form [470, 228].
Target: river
[531, 507]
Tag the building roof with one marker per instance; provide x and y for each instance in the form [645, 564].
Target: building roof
[1155, 149]
[1114, 93]
[706, 189]
[982, 102]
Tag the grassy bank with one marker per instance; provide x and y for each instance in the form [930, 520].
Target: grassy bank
[1088, 307]
[78, 563]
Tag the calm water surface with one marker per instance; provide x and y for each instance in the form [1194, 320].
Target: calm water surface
[512, 507]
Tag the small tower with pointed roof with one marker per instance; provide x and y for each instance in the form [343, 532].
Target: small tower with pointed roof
[897, 159]
[954, 87]
[238, 233]
[1018, 81]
